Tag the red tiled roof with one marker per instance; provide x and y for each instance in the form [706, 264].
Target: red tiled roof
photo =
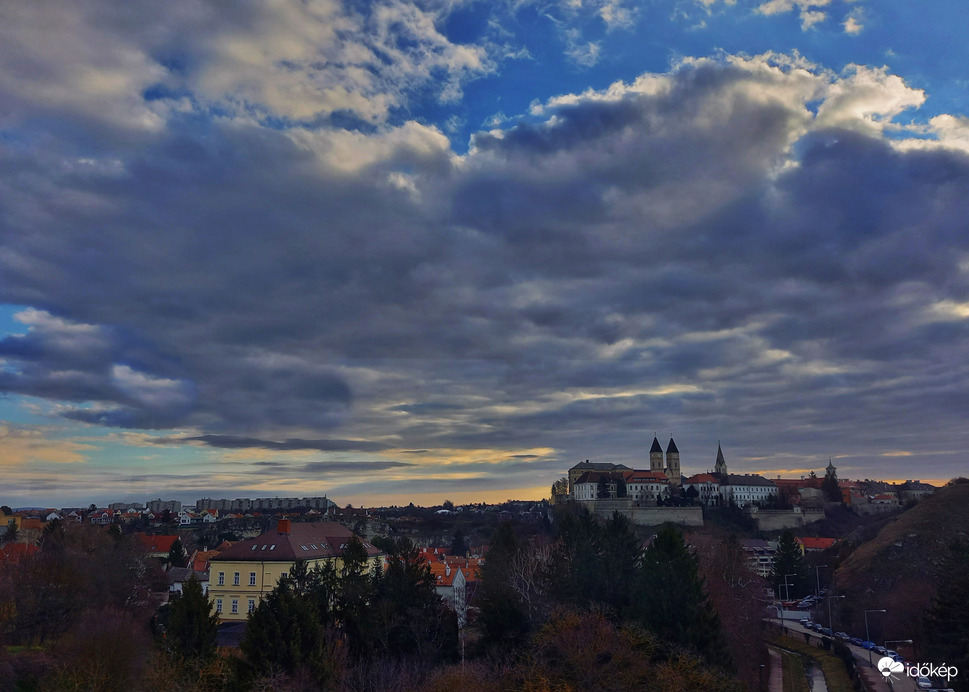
[307, 541]
[12, 553]
[200, 561]
[156, 544]
[812, 543]
[645, 477]
[702, 478]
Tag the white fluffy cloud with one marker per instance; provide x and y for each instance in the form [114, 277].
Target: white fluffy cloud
[283, 60]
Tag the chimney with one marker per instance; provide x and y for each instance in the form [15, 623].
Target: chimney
[283, 526]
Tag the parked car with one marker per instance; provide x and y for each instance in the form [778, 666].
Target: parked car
[826, 631]
[856, 641]
[843, 636]
[804, 622]
[880, 650]
[923, 683]
[867, 645]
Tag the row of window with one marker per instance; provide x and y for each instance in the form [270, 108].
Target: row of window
[234, 605]
[237, 575]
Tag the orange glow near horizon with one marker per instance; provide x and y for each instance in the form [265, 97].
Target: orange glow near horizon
[437, 498]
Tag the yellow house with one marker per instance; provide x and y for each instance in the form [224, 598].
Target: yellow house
[9, 520]
[240, 576]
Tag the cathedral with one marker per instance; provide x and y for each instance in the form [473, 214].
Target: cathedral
[672, 465]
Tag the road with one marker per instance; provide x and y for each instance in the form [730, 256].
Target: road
[900, 682]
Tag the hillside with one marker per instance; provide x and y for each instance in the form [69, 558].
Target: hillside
[897, 570]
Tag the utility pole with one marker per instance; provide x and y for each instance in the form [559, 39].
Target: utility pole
[817, 577]
[867, 637]
[828, 599]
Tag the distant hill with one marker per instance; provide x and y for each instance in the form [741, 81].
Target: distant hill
[898, 569]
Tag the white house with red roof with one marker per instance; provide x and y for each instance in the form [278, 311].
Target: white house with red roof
[707, 487]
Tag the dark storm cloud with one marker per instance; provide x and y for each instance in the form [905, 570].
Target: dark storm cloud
[699, 253]
[232, 442]
[352, 466]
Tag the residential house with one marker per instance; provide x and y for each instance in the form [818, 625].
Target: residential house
[103, 517]
[810, 544]
[156, 546]
[242, 575]
[884, 499]
[452, 587]
[177, 576]
[914, 490]
[454, 579]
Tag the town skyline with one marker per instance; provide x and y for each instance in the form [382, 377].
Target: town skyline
[420, 500]
[411, 251]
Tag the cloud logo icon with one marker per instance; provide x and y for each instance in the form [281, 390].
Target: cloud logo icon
[888, 666]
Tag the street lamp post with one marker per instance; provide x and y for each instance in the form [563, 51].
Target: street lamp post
[867, 637]
[829, 599]
[787, 589]
[817, 578]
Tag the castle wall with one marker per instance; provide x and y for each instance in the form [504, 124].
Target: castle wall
[777, 519]
[647, 516]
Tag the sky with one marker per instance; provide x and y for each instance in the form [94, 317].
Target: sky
[404, 251]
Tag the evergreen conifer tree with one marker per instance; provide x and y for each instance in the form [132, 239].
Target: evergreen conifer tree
[283, 634]
[176, 554]
[673, 601]
[789, 565]
[192, 625]
[458, 545]
[503, 615]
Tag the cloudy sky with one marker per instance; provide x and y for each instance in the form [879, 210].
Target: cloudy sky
[406, 251]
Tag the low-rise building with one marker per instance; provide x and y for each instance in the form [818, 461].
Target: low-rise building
[706, 486]
[746, 489]
[914, 490]
[156, 546]
[646, 488]
[242, 575]
[577, 471]
[811, 544]
[760, 555]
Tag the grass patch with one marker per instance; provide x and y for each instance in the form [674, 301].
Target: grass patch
[835, 674]
[795, 679]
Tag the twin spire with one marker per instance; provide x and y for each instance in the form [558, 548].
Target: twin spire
[671, 467]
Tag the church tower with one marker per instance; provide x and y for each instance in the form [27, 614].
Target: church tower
[721, 466]
[673, 463]
[831, 472]
[656, 457]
